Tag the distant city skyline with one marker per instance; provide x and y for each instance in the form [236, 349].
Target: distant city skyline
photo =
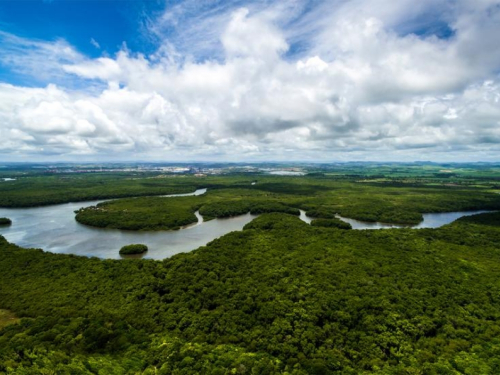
[250, 81]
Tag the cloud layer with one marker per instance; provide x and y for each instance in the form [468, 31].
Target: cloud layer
[340, 80]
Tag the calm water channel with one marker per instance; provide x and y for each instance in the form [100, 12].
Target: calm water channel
[54, 229]
[430, 221]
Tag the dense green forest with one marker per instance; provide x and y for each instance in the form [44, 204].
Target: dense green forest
[152, 213]
[5, 221]
[279, 297]
[133, 249]
[156, 213]
[320, 198]
[331, 223]
[35, 190]
[388, 204]
[396, 194]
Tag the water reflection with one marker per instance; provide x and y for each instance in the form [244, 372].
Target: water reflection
[54, 229]
[430, 220]
[305, 218]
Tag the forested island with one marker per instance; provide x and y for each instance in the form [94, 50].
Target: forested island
[319, 196]
[133, 249]
[5, 221]
[331, 223]
[278, 297]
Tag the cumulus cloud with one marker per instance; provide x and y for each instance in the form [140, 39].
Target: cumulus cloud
[376, 80]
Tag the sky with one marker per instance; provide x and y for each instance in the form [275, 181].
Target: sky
[263, 80]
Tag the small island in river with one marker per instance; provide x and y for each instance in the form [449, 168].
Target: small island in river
[5, 221]
[133, 249]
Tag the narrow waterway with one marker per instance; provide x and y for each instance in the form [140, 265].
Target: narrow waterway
[430, 220]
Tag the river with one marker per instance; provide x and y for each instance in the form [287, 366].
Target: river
[434, 220]
[54, 229]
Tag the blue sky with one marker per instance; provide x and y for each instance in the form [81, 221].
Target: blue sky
[316, 80]
[93, 27]
[78, 21]
[101, 28]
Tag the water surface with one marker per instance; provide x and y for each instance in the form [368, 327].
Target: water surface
[286, 173]
[430, 221]
[54, 229]
[305, 218]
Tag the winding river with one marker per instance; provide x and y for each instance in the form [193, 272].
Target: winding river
[54, 229]
[430, 221]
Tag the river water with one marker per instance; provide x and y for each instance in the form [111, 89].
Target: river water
[54, 229]
[430, 221]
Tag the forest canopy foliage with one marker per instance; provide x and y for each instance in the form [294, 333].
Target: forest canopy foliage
[156, 213]
[5, 221]
[133, 249]
[321, 198]
[279, 297]
[331, 223]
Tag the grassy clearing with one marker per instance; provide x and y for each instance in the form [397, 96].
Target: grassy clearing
[6, 318]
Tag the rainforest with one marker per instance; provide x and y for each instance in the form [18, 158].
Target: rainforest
[279, 296]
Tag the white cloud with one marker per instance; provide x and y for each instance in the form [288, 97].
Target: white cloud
[39, 59]
[361, 90]
[101, 68]
[252, 37]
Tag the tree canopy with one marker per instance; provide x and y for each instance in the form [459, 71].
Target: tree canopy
[279, 297]
[133, 249]
[5, 221]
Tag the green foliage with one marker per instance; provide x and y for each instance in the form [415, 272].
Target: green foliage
[45, 190]
[133, 249]
[225, 208]
[492, 219]
[321, 212]
[279, 297]
[268, 207]
[157, 213]
[151, 213]
[381, 193]
[331, 223]
[7, 318]
[5, 221]
[382, 213]
[229, 208]
[275, 221]
[364, 202]
[285, 187]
